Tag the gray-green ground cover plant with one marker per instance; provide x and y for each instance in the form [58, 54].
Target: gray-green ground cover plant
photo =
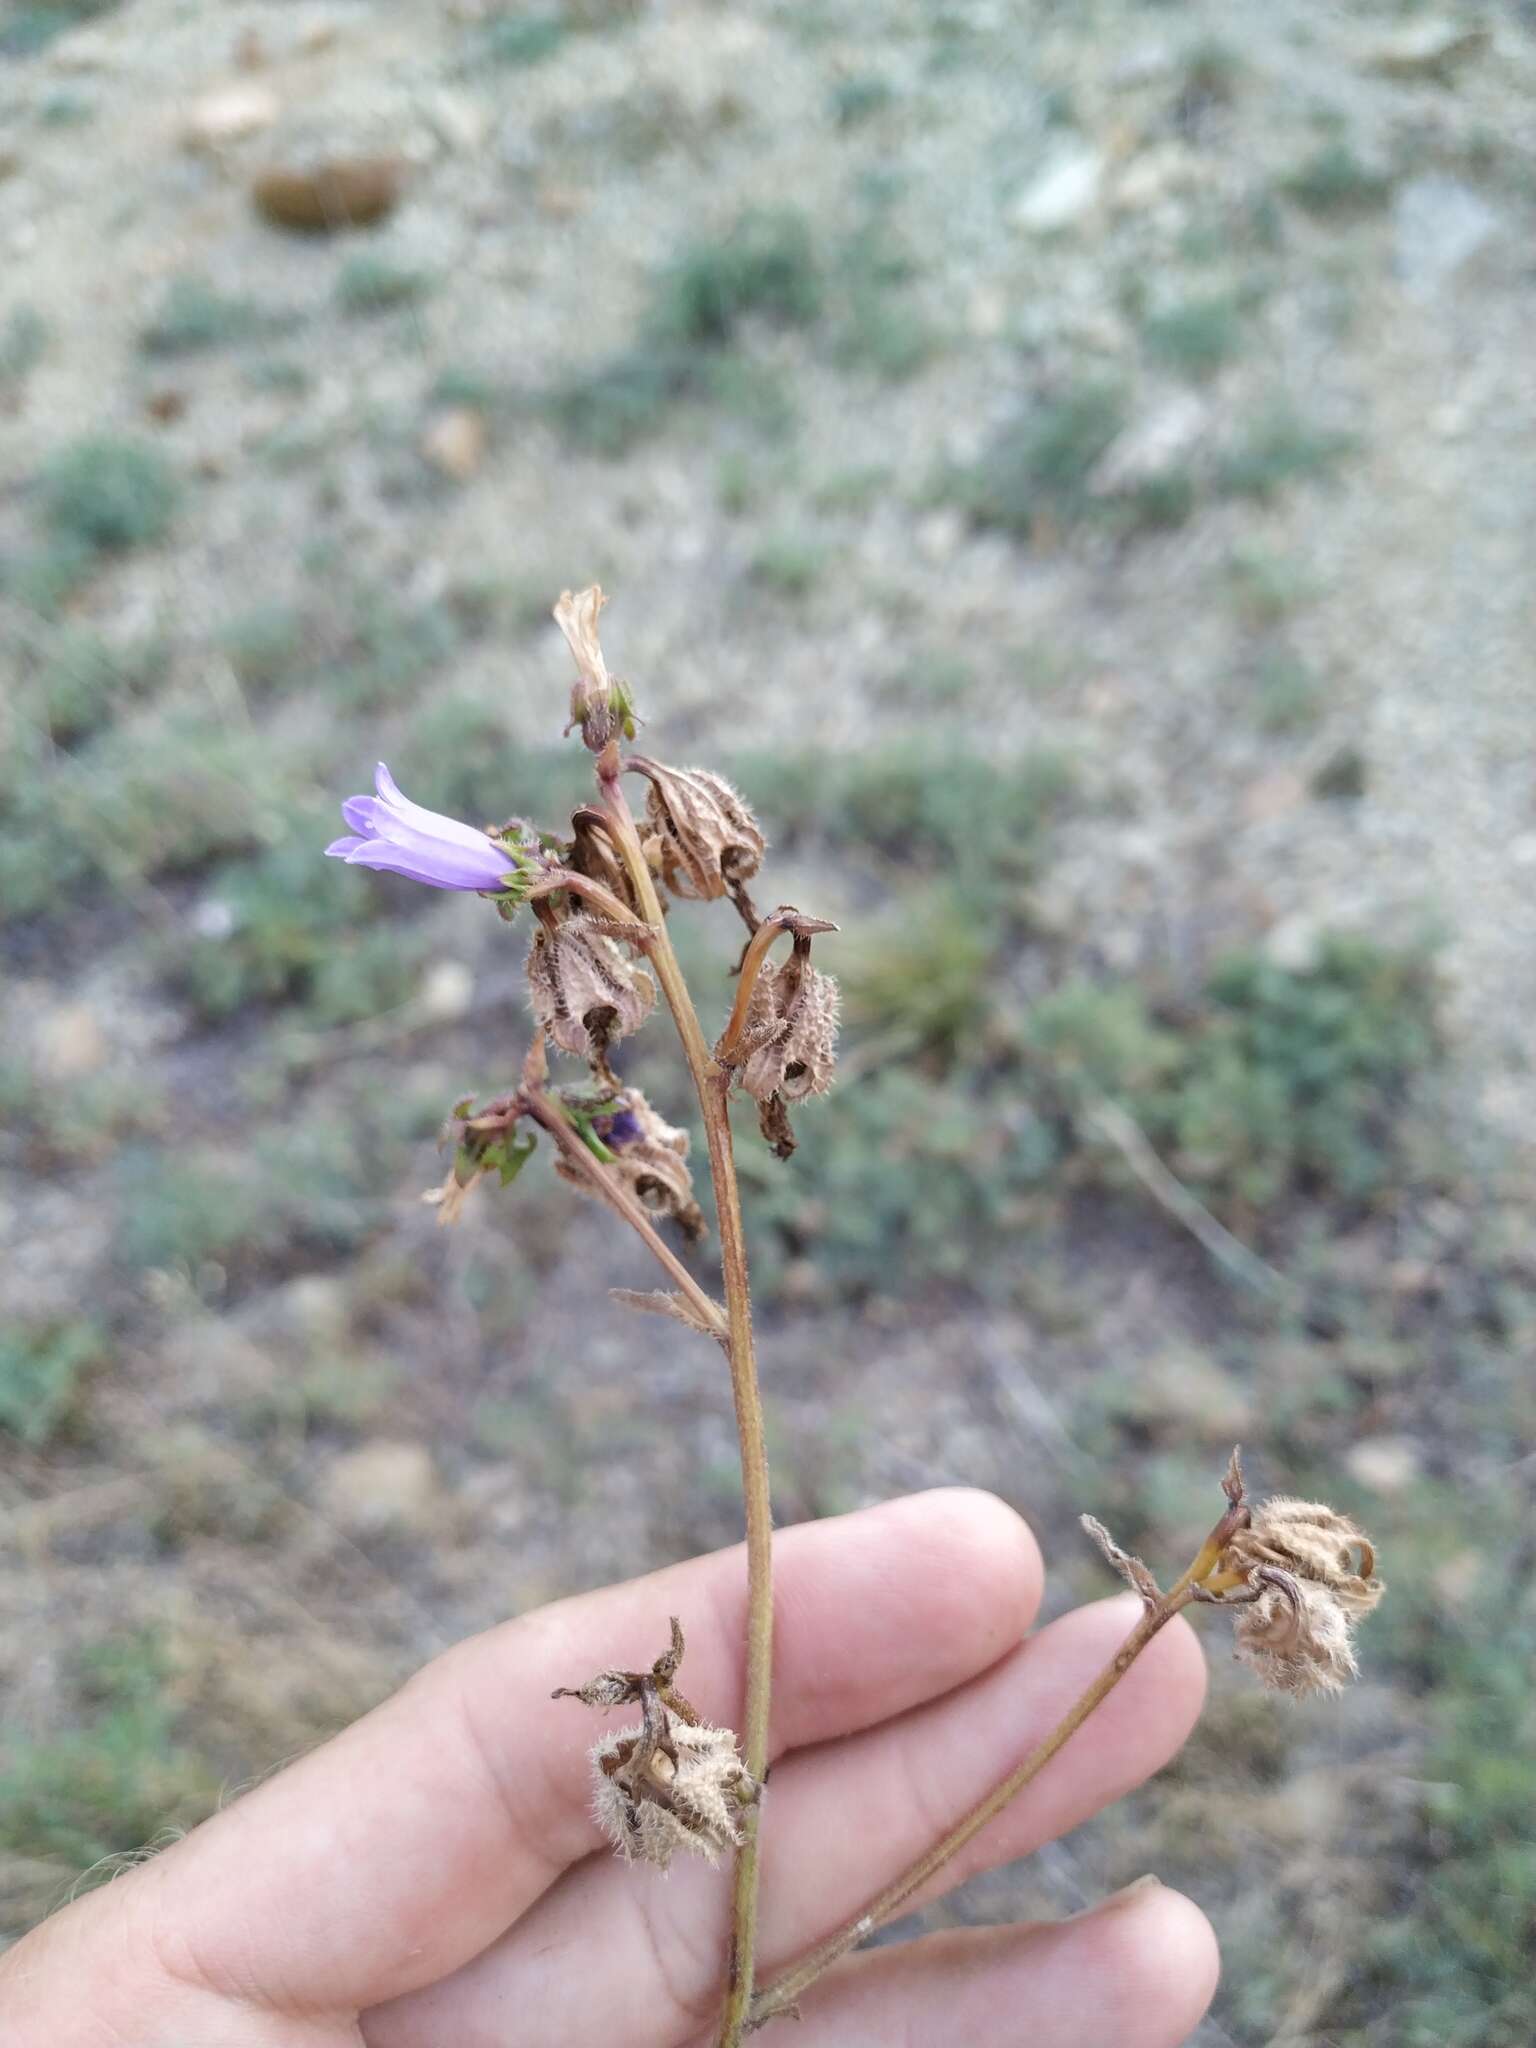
[598, 893]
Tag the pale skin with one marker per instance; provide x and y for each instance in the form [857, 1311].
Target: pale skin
[432, 1878]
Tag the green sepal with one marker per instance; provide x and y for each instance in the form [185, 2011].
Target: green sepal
[508, 1156]
[622, 705]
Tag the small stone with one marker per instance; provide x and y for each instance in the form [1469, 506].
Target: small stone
[1295, 943]
[381, 1486]
[1155, 173]
[1143, 64]
[231, 114]
[1273, 796]
[1438, 226]
[447, 991]
[458, 123]
[73, 1043]
[328, 198]
[1150, 446]
[454, 442]
[1435, 48]
[1063, 190]
[166, 404]
[986, 315]
[1386, 1464]
[940, 535]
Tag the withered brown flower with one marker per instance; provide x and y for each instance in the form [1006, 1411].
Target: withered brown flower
[649, 1154]
[703, 836]
[1309, 1575]
[600, 704]
[792, 1031]
[671, 1782]
[584, 991]
[688, 1794]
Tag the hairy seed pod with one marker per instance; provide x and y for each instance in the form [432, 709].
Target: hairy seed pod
[704, 835]
[650, 1156]
[583, 990]
[1297, 1637]
[1310, 1575]
[792, 1029]
[687, 1796]
[1312, 1542]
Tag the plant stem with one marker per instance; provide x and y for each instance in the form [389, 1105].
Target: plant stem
[604, 899]
[547, 1115]
[712, 1084]
[779, 1997]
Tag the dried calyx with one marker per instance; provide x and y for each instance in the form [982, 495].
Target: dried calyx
[1308, 1575]
[1297, 1575]
[642, 1148]
[671, 1782]
[791, 1033]
[584, 991]
[600, 704]
[702, 838]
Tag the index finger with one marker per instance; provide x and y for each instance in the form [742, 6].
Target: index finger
[403, 1848]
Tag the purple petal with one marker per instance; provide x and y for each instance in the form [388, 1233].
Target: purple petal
[358, 812]
[433, 823]
[440, 867]
[341, 849]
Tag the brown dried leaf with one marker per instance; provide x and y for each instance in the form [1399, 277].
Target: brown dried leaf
[660, 1303]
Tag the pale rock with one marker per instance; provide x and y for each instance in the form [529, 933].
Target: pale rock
[454, 442]
[1438, 226]
[1062, 191]
[1154, 174]
[447, 990]
[1386, 1464]
[379, 1487]
[315, 1307]
[85, 49]
[460, 124]
[1143, 64]
[1151, 446]
[1294, 943]
[940, 534]
[1435, 48]
[986, 314]
[73, 1043]
[1273, 796]
[230, 114]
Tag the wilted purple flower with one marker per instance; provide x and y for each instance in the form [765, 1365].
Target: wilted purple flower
[389, 831]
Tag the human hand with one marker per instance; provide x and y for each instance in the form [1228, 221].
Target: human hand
[432, 1878]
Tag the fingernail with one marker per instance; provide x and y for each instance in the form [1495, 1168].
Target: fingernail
[1126, 1896]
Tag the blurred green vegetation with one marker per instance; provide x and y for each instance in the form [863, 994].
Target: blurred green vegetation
[119, 1777]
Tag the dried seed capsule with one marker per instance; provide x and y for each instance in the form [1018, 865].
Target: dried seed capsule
[584, 992]
[705, 838]
[687, 1795]
[650, 1155]
[792, 1028]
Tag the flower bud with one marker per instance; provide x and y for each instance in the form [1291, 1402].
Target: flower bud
[583, 990]
[704, 837]
[600, 704]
